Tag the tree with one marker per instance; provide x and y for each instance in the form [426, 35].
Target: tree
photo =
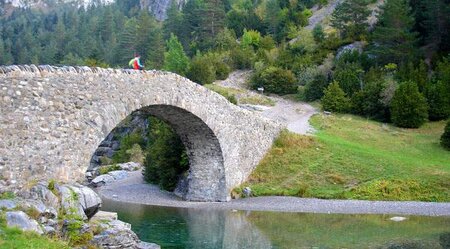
[445, 138]
[175, 60]
[350, 18]
[166, 157]
[349, 77]
[314, 89]
[318, 33]
[438, 98]
[393, 40]
[334, 99]
[409, 108]
[201, 70]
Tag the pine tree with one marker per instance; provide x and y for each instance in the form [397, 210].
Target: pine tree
[445, 138]
[334, 99]
[409, 108]
[393, 40]
[350, 18]
[155, 54]
[175, 60]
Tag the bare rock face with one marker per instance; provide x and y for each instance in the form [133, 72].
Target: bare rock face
[22, 221]
[159, 7]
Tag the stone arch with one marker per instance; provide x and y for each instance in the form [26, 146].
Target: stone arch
[206, 179]
[53, 118]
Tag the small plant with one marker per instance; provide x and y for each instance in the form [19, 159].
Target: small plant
[32, 212]
[106, 169]
[7, 195]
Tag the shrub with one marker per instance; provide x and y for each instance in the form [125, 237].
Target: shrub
[409, 108]
[242, 58]
[334, 99]
[201, 71]
[438, 98]
[275, 80]
[349, 77]
[318, 33]
[126, 143]
[314, 89]
[445, 138]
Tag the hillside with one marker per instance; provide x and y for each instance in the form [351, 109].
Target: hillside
[353, 158]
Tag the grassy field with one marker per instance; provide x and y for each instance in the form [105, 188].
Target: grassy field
[354, 158]
[13, 238]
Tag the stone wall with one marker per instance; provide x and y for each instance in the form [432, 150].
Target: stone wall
[53, 119]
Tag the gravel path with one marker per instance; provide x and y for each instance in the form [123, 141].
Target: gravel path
[134, 190]
[295, 115]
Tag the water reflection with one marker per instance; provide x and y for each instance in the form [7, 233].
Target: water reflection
[210, 228]
[190, 228]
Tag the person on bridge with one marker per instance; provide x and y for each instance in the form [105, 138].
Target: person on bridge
[136, 63]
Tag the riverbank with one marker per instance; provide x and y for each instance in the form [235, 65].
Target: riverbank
[134, 190]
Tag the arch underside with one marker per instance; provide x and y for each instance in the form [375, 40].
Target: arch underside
[206, 178]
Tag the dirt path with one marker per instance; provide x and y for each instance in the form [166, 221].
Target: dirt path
[295, 115]
[134, 190]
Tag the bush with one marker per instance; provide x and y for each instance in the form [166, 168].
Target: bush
[166, 157]
[242, 58]
[275, 80]
[409, 108]
[348, 75]
[438, 98]
[318, 33]
[201, 71]
[126, 143]
[334, 99]
[445, 138]
[314, 89]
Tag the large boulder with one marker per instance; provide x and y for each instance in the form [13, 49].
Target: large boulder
[22, 221]
[79, 200]
[41, 209]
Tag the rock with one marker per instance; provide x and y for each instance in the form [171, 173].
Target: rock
[247, 192]
[118, 174]
[147, 245]
[22, 221]
[356, 46]
[118, 235]
[41, 192]
[398, 218]
[40, 207]
[49, 230]
[103, 215]
[8, 204]
[102, 180]
[88, 199]
[130, 166]
[70, 202]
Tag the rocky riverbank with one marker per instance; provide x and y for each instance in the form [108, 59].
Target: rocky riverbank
[69, 212]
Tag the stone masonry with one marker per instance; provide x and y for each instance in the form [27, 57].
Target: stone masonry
[53, 119]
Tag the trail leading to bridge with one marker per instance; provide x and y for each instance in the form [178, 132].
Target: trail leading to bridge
[295, 115]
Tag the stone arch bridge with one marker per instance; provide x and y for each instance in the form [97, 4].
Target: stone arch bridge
[53, 118]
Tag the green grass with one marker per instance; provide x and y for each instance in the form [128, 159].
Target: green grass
[353, 158]
[13, 238]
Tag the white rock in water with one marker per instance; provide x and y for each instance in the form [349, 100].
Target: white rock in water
[398, 218]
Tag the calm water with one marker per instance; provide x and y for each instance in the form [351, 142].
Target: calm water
[211, 229]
